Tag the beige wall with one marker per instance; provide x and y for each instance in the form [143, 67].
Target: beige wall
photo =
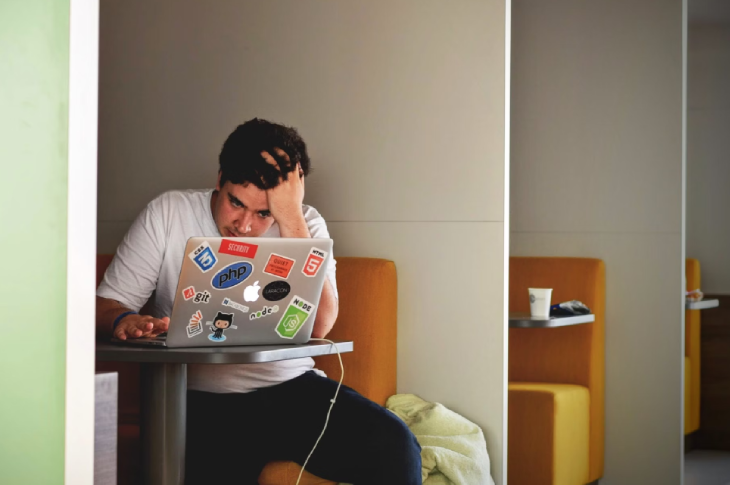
[596, 171]
[403, 107]
[708, 152]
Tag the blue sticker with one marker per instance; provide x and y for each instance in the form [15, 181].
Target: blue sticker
[232, 275]
[203, 257]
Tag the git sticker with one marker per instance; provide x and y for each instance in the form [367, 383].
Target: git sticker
[294, 317]
[203, 257]
[188, 293]
[314, 262]
[195, 327]
[279, 266]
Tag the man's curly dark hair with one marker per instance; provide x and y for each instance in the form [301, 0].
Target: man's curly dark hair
[241, 161]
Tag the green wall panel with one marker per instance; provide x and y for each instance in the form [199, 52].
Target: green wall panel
[34, 63]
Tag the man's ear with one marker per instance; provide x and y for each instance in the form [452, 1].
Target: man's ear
[218, 183]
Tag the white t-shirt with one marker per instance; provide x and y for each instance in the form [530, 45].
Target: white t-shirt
[149, 260]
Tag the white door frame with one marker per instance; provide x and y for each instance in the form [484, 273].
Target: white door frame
[81, 240]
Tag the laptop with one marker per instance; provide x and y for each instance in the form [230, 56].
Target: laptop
[246, 291]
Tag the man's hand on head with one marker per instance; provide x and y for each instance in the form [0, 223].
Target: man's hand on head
[285, 200]
[138, 326]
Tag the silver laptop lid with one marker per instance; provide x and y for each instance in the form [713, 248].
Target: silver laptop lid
[248, 291]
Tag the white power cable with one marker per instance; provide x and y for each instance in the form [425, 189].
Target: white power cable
[327, 420]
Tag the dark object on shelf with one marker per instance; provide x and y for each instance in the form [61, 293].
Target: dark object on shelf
[569, 308]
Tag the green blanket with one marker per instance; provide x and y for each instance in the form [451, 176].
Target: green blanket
[454, 451]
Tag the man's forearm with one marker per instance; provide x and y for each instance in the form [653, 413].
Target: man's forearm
[326, 313]
[107, 311]
[295, 227]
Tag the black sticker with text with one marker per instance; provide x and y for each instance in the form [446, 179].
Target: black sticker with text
[276, 290]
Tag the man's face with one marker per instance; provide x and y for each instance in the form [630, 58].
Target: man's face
[241, 210]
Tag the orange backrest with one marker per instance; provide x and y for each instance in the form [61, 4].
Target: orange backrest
[368, 291]
[692, 323]
[564, 355]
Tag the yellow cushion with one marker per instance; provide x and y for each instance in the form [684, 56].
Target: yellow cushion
[567, 355]
[549, 432]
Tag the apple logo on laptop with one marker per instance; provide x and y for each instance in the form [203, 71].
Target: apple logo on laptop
[251, 293]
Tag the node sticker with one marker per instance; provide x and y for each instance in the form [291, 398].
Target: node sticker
[264, 312]
[294, 317]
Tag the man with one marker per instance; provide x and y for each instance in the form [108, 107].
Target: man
[274, 411]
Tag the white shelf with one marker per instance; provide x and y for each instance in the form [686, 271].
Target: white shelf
[702, 304]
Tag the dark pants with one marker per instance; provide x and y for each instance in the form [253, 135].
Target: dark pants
[231, 437]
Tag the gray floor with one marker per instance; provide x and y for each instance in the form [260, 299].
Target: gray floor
[703, 467]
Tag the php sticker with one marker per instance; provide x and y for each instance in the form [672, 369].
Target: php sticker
[235, 248]
[276, 290]
[221, 323]
[233, 304]
[279, 266]
[195, 327]
[314, 262]
[188, 293]
[294, 317]
[232, 275]
[264, 312]
[203, 257]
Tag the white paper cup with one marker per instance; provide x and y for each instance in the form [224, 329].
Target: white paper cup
[540, 301]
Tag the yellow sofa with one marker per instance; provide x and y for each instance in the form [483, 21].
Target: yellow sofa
[692, 353]
[368, 316]
[556, 378]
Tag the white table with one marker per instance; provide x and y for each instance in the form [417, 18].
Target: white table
[524, 320]
[702, 304]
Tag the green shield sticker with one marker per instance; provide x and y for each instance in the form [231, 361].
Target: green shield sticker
[294, 317]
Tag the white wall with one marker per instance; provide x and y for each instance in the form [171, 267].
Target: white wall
[708, 154]
[403, 107]
[596, 171]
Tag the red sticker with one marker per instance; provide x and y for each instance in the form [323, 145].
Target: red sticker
[188, 292]
[238, 248]
[279, 266]
[314, 262]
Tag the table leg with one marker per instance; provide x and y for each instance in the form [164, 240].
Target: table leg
[164, 406]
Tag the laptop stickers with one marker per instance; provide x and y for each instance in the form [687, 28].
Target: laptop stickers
[203, 257]
[235, 248]
[232, 275]
[314, 262]
[230, 303]
[221, 323]
[294, 317]
[294, 314]
[279, 266]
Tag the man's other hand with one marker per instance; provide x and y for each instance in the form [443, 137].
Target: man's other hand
[138, 326]
[285, 200]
